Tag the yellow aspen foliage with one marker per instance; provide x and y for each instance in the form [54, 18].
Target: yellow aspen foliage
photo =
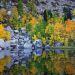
[8, 60]
[44, 55]
[8, 35]
[58, 26]
[40, 18]
[1, 17]
[62, 40]
[70, 69]
[66, 42]
[43, 40]
[47, 29]
[39, 35]
[2, 64]
[35, 58]
[4, 34]
[51, 41]
[33, 70]
[34, 37]
[33, 21]
[24, 18]
[23, 72]
[58, 67]
[2, 14]
[10, 72]
[15, 11]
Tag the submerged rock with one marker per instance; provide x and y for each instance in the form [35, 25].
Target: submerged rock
[2, 54]
[58, 50]
[2, 43]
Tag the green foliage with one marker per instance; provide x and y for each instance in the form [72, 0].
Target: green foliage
[31, 6]
[40, 28]
[16, 23]
[28, 27]
[20, 7]
[4, 3]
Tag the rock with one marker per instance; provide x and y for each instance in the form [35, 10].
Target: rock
[7, 52]
[42, 0]
[4, 48]
[1, 4]
[38, 47]
[2, 43]
[2, 54]
[38, 52]
[7, 44]
[8, 28]
[53, 4]
[14, 42]
[58, 50]
[9, 13]
[38, 43]
[26, 39]
[23, 30]
[21, 46]
[47, 48]
[28, 45]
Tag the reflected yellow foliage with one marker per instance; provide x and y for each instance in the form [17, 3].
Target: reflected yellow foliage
[4, 34]
[3, 62]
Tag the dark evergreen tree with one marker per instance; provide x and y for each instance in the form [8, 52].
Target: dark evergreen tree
[45, 15]
[67, 13]
[50, 14]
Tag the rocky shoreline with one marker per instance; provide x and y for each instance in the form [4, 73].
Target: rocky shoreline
[41, 5]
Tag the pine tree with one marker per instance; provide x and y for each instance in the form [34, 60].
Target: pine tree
[67, 13]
